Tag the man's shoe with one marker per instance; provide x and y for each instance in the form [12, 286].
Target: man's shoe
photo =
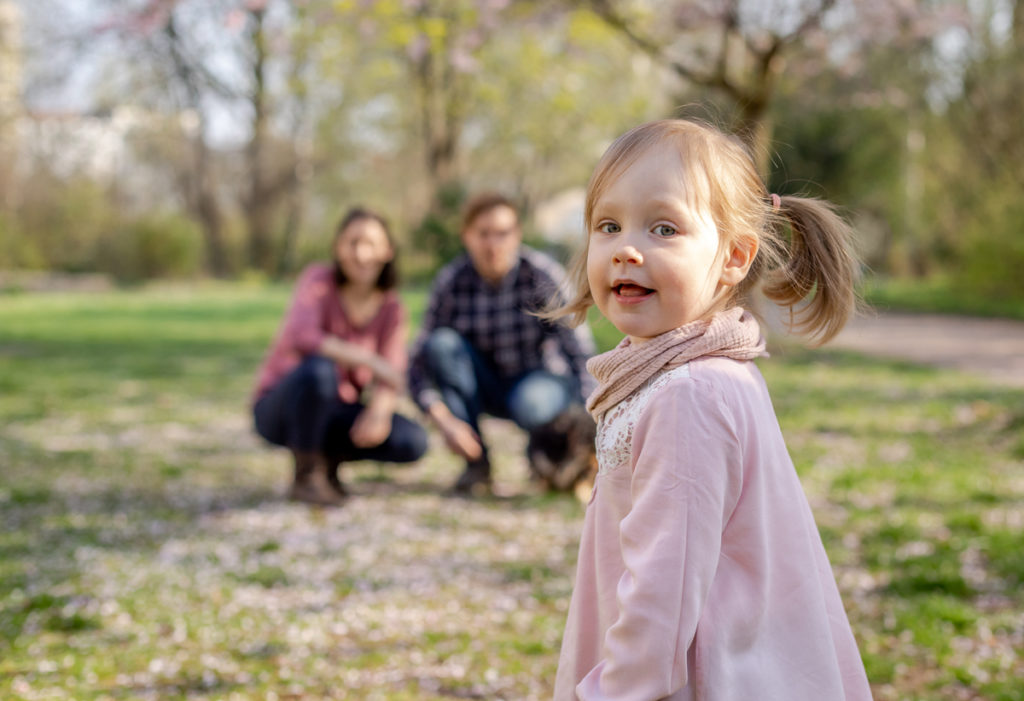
[475, 480]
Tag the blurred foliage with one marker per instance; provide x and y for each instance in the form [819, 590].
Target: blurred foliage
[438, 231]
[854, 161]
[938, 293]
[443, 109]
[981, 167]
[16, 249]
[158, 245]
[925, 155]
[910, 123]
[60, 221]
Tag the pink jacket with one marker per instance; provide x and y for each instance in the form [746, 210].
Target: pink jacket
[316, 312]
[701, 573]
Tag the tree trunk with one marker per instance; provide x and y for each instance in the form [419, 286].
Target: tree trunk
[259, 203]
[1018, 24]
[437, 83]
[293, 222]
[754, 126]
[198, 184]
[206, 208]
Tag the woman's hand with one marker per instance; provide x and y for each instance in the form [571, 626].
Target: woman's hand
[385, 373]
[371, 427]
[350, 355]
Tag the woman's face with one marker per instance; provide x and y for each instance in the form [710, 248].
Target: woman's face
[362, 249]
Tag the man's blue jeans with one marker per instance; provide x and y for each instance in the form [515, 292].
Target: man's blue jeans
[303, 412]
[469, 387]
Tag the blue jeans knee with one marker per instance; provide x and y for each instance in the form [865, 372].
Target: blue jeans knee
[315, 375]
[408, 440]
[442, 346]
[538, 398]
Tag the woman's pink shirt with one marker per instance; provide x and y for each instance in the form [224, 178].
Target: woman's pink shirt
[701, 572]
[315, 313]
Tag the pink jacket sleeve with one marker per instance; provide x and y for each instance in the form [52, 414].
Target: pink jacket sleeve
[686, 479]
[304, 323]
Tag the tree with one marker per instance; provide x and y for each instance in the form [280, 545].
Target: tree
[739, 48]
[277, 162]
[10, 97]
[213, 59]
[169, 72]
[272, 115]
[980, 166]
[437, 46]
[451, 97]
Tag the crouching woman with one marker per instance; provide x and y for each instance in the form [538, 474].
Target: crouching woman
[328, 387]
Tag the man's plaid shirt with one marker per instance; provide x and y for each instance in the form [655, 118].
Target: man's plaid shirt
[497, 323]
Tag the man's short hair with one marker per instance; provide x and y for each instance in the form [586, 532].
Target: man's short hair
[482, 203]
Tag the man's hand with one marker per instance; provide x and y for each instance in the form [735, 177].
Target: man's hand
[459, 435]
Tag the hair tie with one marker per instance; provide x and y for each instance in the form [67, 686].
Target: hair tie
[776, 202]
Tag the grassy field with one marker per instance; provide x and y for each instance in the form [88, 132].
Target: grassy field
[146, 553]
[939, 294]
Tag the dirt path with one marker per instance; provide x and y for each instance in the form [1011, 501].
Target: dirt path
[993, 348]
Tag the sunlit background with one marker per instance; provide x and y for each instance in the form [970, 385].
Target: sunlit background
[168, 166]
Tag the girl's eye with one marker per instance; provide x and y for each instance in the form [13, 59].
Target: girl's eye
[608, 227]
[665, 230]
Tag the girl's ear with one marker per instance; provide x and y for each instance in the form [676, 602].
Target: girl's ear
[738, 259]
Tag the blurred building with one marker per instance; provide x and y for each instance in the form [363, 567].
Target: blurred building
[10, 60]
[559, 219]
[10, 96]
[93, 145]
[98, 145]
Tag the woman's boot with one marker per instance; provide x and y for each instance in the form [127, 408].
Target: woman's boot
[312, 484]
[334, 477]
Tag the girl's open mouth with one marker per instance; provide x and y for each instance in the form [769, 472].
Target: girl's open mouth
[631, 290]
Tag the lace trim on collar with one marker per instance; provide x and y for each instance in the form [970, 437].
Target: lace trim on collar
[615, 430]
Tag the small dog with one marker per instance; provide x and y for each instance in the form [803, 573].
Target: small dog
[561, 453]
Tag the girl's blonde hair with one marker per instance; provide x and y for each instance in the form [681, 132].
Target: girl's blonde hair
[804, 260]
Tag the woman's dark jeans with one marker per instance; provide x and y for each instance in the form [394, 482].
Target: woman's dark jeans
[303, 412]
[469, 387]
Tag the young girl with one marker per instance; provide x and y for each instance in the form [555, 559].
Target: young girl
[342, 338]
[701, 573]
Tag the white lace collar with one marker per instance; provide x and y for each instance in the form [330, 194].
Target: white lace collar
[615, 429]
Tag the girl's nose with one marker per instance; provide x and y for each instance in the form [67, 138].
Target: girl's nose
[628, 253]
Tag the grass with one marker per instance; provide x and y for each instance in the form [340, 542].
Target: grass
[940, 294]
[145, 551]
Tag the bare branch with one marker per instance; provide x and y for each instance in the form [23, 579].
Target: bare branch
[604, 10]
[811, 21]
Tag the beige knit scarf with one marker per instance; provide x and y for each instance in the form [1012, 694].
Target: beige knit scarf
[733, 333]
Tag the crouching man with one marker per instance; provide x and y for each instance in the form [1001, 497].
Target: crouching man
[482, 351]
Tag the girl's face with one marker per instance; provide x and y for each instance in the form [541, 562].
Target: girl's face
[362, 249]
[653, 262]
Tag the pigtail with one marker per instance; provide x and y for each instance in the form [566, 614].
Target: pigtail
[817, 274]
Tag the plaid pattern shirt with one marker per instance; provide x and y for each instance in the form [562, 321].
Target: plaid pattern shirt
[497, 323]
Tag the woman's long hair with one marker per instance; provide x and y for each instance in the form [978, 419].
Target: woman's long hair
[388, 278]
